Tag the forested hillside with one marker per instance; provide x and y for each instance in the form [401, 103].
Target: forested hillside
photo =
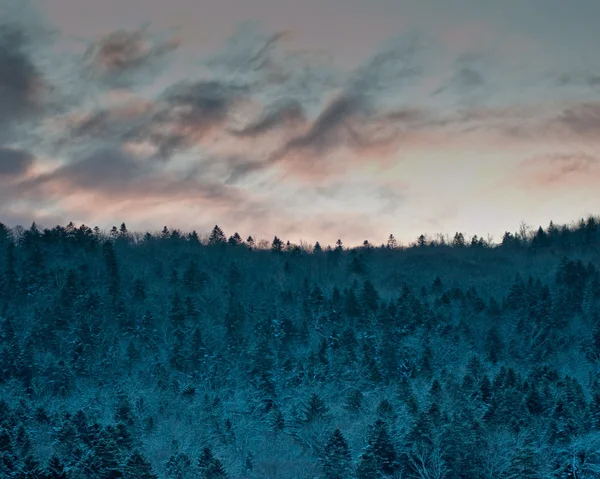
[172, 356]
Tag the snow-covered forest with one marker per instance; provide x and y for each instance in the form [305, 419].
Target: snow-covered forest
[175, 356]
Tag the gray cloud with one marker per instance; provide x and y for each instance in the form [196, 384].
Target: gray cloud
[560, 170]
[242, 168]
[314, 108]
[349, 118]
[107, 169]
[189, 112]
[467, 78]
[254, 69]
[328, 128]
[283, 114]
[586, 78]
[180, 118]
[583, 119]
[114, 176]
[123, 58]
[109, 126]
[464, 80]
[248, 51]
[21, 82]
[14, 163]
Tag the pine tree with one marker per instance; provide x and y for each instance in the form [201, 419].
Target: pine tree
[276, 420]
[10, 279]
[197, 349]
[178, 466]
[106, 457]
[56, 469]
[235, 240]
[354, 400]
[392, 243]
[112, 269]
[217, 237]
[234, 320]
[139, 290]
[336, 463]
[123, 410]
[31, 468]
[210, 467]
[384, 450]
[191, 276]
[137, 467]
[385, 411]
[277, 245]
[367, 467]
[493, 345]
[315, 409]
[523, 465]
[177, 317]
[370, 297]
[533, 401]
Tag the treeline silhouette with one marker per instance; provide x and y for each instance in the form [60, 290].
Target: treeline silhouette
[173, 356]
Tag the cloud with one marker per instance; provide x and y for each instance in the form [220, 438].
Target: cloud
[189, 112]
[350, 119]
[248, 51]
[393, 66]
[21, 82]
[113, 180]
[331, 128]
[467, 79]
[121, 57]
[587, 78]
[355, 118]
[110, 126]
[561, 170]
[14, 163]
[352, 124]
[285, 115]
[109, 170]
[582, 119]
[180, 118]
[201, 113]
[259, 110]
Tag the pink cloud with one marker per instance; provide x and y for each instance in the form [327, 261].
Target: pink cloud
[561, 171]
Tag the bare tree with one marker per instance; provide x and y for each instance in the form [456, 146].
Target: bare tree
[524, 231]
[428, 462]
[498, 454]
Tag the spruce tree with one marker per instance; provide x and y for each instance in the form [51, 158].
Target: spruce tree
[523, 465]
[354, 400]
[178, 466]
[217, 237]
[112, 269]
[367, 466]
[384, 449]
[315, 409]
[210, 467]
[177, 317]
[137, 467]
[336, 463]
[56, 469]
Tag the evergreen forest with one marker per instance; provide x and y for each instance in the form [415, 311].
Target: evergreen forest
[174, 355]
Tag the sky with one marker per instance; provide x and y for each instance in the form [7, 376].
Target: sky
[312, 120]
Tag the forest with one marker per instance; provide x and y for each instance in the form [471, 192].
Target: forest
[175, 355]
